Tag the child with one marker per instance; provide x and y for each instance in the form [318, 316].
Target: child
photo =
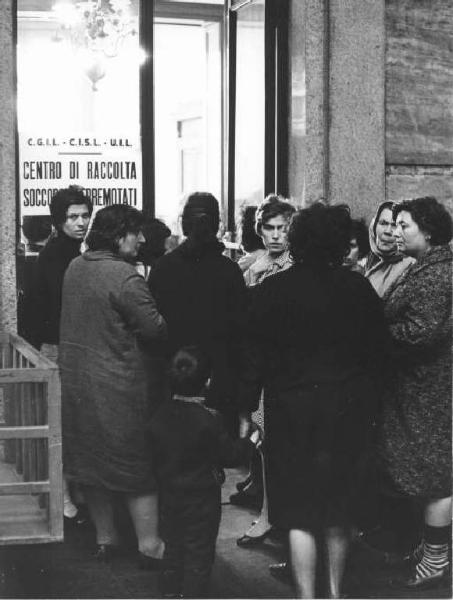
[190, 446]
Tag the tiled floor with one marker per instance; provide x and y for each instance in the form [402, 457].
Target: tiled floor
[68, 571]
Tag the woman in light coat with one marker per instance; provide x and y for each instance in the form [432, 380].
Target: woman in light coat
[108, 313]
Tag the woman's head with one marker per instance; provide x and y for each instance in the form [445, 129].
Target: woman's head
[189, 371]
[250, 240]
[383, 229]
[420, 224]
[359, 244]
[320, 234]
[117, 228]
[156, 234]
[70, 211]
[272, 222]
[201, 217]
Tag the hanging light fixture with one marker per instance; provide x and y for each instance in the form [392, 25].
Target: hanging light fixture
[96, 29]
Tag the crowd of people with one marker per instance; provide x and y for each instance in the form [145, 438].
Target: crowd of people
[321, 359]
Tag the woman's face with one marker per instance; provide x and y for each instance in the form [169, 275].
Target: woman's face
[409, 237]
[129, 245]
[385, 231]
[351, 259]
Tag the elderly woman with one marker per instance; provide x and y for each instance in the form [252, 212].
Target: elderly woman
[416, 430]
[317, 335]
[385, 263]
[107, 312]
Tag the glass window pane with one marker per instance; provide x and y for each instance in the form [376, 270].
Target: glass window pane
[249, 156]
[188, 153]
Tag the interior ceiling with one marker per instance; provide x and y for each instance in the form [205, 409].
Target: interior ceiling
[45, 5]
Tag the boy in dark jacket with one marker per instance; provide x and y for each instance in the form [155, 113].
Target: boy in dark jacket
[190, 446]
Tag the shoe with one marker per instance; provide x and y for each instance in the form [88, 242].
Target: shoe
[75, 522]
[246, 500]
[416, 581]
[282, 572]
[149, 563]
[249, 541]
[243, 484]
[105, 552]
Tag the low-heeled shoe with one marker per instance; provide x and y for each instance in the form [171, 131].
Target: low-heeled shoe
[249, 541]
[430, 581]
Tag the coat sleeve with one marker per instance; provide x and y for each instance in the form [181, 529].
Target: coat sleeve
[427, 311]
[139, 310]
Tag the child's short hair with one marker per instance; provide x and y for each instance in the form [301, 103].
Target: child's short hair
[190, 370]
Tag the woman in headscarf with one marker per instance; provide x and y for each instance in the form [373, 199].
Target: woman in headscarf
[385, 263]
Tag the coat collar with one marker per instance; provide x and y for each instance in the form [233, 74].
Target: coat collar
[436, 254]
[95, 255]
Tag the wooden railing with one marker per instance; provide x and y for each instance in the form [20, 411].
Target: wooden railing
[31, 502]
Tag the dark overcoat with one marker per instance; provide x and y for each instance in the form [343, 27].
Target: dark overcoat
[107, 311]
[317, 338]
[202, 296]
[415, 439]
[47, 286]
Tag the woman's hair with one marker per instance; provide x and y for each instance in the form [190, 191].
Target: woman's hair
[189, 371]
[320, 234]
[112, 223]
[63, 199]
[200, 218]
[36, 228]
[155, 232]
[388, 204]
[359, 232]
[250, 240]
[431, 217]
[272, 206]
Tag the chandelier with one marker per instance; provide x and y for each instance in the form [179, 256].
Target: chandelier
[96, 29]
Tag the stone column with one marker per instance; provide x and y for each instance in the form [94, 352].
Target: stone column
[7, 170]
[356, 104]
[308, 110]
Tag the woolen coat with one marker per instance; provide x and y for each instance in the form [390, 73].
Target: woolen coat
[107, 312]
[415, 439]
[202, 296]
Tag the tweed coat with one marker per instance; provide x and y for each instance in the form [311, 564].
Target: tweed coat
[415, 439]
[107, 313]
